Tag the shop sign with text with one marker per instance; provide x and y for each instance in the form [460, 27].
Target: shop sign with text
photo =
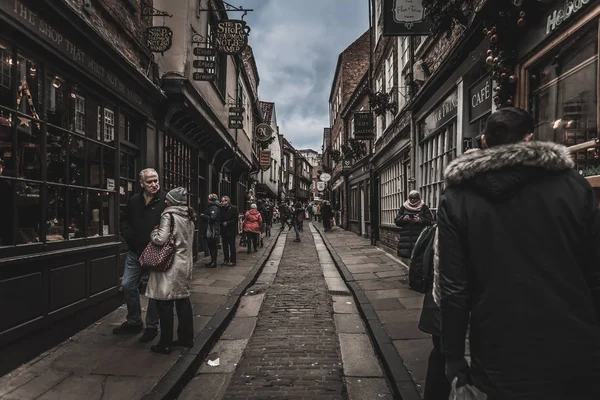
[25, 15]
[560, 15]
[480, 98]
[263, 132]
[404, 18]
[158, 38]
[206, 64]
[204, 52]
[203, 76]
[440, 115]
[231, 36]
[363, 126]
[265, 158]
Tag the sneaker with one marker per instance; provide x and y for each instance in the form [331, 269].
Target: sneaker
[149, 335]
[126, 328]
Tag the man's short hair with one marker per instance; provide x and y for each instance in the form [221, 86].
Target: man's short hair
[143, 173]
[508, 125]
[226, 198]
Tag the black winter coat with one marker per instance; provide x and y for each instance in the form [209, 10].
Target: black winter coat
[139, 219]
[229, 214]
[519, 260]
[211, 217]
[410, 230]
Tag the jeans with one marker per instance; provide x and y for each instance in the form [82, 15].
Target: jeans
[185, 317]
[297, 229]
[212, 248]
[437, 386]
[131, 283]
[229, 249]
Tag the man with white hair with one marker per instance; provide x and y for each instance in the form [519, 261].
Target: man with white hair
[141, 215]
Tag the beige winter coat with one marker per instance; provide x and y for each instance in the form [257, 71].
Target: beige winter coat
[176, 281]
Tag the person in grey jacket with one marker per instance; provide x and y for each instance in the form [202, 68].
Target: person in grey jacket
[172, 287]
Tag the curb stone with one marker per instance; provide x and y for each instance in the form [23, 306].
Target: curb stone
[174, 380]
[400, 379]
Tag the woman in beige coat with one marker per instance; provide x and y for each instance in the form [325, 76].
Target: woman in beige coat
[173, 286]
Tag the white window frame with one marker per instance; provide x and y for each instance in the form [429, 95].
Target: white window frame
[389, 82]
[79, 117]
[109, 125]
[393, 193]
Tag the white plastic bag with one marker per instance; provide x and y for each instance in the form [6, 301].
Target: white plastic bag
[466, 392]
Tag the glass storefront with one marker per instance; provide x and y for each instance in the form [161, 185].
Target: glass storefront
[563, 95]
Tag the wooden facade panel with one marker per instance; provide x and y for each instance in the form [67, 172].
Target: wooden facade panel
[67, 285]
[24, 297]
[103, 274]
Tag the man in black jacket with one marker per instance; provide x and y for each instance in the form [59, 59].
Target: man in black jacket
[141, 215]
[229, 229]
[519, 251]
[211, 218]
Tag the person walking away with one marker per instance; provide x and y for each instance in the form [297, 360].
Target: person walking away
[211, 218]
[142, 213]
[172, 287]
[284, 213]
[252, 225]
[315, 212]
[326, 214]
[229, 228]
[260, 206]
[519, 244]
[297, 219]
[268, 217]
[414, 215]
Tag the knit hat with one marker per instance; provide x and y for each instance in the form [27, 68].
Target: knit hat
[177, 196]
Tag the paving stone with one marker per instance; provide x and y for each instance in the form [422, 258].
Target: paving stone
[82, 358]
[412, 302]
[403, 330]
[32, 389]
[206, 387]
[390, 294]
[212, 290]
[349, 323]
[387, 274]
[147, 363]
[367, 276]
[250, 305]
[391, 316]
[368, 389]
[344, 305]
[387, 304]
[357, 356]
[116, 387]
[415, 353]
[77, 387]
[229, 353]
[240, 328]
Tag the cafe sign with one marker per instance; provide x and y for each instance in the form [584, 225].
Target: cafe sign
[363, 126]
[231, 36]
[158, 38]
[480, 98]
[442, 114]
[404, 18]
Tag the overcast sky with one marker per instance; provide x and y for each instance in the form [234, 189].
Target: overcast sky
[296, 44]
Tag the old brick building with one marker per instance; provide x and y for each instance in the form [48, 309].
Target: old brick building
[352, 64]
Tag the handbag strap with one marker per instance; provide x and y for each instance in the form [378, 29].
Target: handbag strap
[172, 224]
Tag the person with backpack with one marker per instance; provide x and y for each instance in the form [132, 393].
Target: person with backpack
[297, 219]
[413, 217]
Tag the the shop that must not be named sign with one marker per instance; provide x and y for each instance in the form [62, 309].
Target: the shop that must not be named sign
[480, 98]
[363, 126]
[158, 38]
[404, 18]
[231, 36]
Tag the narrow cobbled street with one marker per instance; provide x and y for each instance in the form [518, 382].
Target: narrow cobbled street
[308, 341]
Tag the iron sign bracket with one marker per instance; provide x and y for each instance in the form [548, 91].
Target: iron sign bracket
[149, 11]
[228, 7]
[197, 38]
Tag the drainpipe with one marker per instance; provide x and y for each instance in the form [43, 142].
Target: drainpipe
[374, 211]
[413, 124]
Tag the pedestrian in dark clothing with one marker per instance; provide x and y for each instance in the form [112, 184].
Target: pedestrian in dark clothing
[212, 220]
[252, 224]
[142, 213]
[229, 230]
[519, 244]
[284, 213]
[297, 219]
[268, 218]
[172, 287]
[414, 215]
[327, 214]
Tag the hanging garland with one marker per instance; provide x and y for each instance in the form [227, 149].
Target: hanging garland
[381, 103]
[355, 150]
[443, 15]
[265, 144]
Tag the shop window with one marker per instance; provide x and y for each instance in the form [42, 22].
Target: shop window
[180, 167]
[79, 114]
[368, 203]
[393, 191]
[109, 125]
[437, 151]
[354, 204]
[564, 99]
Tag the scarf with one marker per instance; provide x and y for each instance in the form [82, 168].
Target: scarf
[414, 207]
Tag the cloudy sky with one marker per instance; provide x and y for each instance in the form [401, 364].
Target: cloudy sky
[296, 44]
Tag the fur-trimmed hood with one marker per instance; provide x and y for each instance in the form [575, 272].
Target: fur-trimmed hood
[501, 168]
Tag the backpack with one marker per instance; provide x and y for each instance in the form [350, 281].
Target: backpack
[420, 271]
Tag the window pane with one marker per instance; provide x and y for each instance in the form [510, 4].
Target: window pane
[94, 223]
[94, 165]
[76, 161]
[108, 213]
[56, 156]
[56, 213]
[6, 210]
[28, 153]
[76, 227]
[28, 208]
[57, 101]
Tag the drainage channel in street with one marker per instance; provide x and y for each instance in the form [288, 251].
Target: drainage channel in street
[296, 334]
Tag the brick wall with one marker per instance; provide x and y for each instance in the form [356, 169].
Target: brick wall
[389, 238]
[120, 23]
[355, 62]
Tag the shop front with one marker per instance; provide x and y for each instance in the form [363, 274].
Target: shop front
[358, 199]
[74, 118]
[559, 80]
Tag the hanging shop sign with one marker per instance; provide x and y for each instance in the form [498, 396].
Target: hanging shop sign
[325, 177]
[265, 158]
[363, 126]
[203, 76]
[235, 122]
[404, 18]
[346, 164]
[321, 186]
[204, 52]
[338, 183]
[440, 115]
[158, 39]
[231, 36]
[480, 98]
[263, 132]
[206, 64]
[237, 110]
